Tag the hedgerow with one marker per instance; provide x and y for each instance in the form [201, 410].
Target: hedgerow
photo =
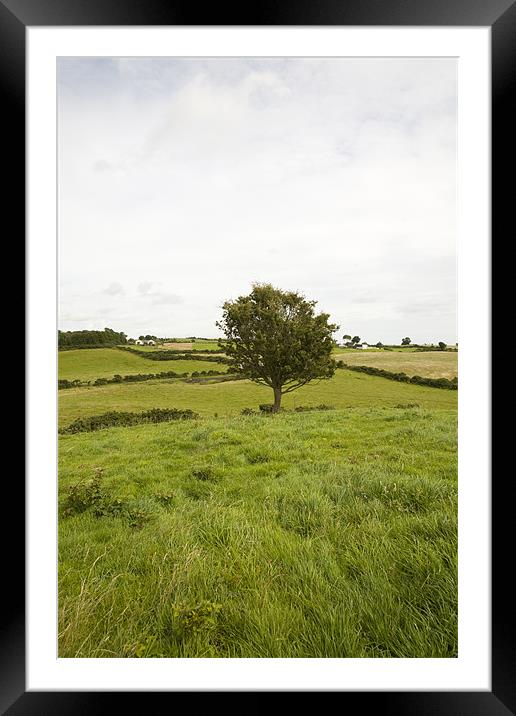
[121, 419]
[64, 384]
[402, 377]
[174, 355]
[266, 409]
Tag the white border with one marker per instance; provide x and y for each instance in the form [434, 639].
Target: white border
[471, 670]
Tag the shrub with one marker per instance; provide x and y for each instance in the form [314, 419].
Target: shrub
[114, 418]
[86, 495]
[101, 381]
[266, 408]
[63, 384]
[307, 408]
[202, 617]
[161, 355]
[137, 517]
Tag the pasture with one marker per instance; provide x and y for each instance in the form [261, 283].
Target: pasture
[107, 362]
[315, 534]
[184, 345]
[324, 534]
[346, 389]
[434, 364]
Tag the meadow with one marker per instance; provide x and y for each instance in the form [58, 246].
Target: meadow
[184, 345]
[324, 534]
[107, 362]
[346, 389]
[329, 533]
[434, 364]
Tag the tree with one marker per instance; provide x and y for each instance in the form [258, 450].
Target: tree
[355, 339]
[274, 338]
[346, 337]
[442, 346]
[405, 341]
[379, 344]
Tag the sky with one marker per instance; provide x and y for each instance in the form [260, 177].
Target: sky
[181, 182]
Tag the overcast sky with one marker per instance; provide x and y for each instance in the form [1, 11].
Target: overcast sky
[182, 182]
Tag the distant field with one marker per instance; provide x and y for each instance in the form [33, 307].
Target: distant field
[206, 346]
[325, 534]
[396, 349]
[434, 364]
[106, 362]
[177, 346]
[345, 389]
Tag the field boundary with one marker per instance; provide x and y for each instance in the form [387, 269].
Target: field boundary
[194, 376]
[402, 377]
[116, 418]
[171, 354]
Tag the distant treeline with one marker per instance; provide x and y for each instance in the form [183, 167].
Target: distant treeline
[63, 384]
[121, 419]
[402, 377]
[174, 355]
[429, 349]
[90, 339]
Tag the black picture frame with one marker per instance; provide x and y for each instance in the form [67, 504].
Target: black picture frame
[500, 16]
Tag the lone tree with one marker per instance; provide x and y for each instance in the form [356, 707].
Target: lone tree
[274, 338]
[355, 339]
[405, 341]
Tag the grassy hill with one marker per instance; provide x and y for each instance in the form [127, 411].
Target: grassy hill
[324, 534]
[106, 362]
[345, 389]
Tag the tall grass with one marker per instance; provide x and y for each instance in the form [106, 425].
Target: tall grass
[325, 534]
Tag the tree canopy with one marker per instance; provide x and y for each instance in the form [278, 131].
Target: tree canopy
[275, 338]
[90, 338]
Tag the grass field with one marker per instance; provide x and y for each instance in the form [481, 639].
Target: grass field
[321, 534]
[324, 534]
[185, 345]
[435, 364]
[206, 345]
[106, 362]
[345, 389]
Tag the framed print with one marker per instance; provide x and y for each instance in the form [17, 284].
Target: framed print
[226, 488]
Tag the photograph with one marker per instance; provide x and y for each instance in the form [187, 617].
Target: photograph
[257, 357]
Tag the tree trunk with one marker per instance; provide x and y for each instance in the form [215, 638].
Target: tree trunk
[277, 400]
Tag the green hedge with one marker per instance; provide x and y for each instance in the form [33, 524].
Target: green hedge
[173, 355]
[402, 377]
[120, 419]
[63, 384]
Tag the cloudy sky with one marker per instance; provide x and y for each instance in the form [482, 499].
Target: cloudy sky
[182, 182]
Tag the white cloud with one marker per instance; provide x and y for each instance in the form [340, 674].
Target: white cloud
[189, 179]
[115, 289]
